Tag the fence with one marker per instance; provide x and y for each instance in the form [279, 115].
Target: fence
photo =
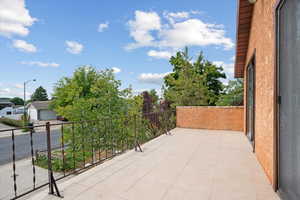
[69, 148]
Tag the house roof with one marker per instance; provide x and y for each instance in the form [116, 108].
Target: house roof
[5, 101]
[40, 105]
[244, 19]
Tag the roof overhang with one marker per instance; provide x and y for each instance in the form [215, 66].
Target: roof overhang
[244, 19]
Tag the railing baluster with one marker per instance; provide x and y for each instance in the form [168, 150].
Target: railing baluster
[118, 144]
[93, 130]
[32, 159]
[135, 136]
[122, 135]
[82, 145]
[74, 146]
[127, 133]
[111, 133]
[99, 142]
[63, 149]
[105, 138]
[14, 162]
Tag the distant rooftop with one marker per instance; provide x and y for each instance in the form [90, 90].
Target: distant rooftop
[40, 105]
[5, 101]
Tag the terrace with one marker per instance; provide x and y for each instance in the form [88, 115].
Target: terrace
[187, 164]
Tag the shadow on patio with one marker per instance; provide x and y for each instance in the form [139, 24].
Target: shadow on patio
[189, 164]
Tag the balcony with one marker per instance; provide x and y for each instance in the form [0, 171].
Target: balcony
[188, 164]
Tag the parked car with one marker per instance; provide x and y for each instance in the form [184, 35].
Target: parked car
[61, 118]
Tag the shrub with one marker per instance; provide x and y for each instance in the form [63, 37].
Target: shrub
[11, 122]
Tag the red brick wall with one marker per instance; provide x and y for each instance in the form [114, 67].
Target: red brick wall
[213, 118]
[262, 42]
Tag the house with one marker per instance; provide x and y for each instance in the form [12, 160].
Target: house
[7, 111]
[19, 109]
[5, 102]
[15, 112]
[39, 110]
[267, 57]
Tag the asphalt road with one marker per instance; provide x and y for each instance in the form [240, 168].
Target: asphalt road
[23, 147]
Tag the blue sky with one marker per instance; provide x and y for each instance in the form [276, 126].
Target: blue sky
[48, 39]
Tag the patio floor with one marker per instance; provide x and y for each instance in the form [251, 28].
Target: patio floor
[189, 164]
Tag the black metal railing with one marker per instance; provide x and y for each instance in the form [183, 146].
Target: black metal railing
[63, 149]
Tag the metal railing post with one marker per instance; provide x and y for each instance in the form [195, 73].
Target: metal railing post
[49, 158]
[52, 183]
[135, 136]
[14, 162]
[32, 159]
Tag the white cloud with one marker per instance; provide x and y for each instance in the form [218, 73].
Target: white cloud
[159, 54]
[196, 12]
[19, 86]
[22, 45]
[148, 31]
[40, 64]
[116, 70]
[152, 78]
[141, 27]
[74, 47]
[103, 26]
[140, 91]
[14, 18]
[5, 90]
[228, 69]
[179, 15]
[194, 32]
[10, 93]
[172, 17]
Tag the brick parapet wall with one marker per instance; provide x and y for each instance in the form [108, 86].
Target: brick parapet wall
[211, 117]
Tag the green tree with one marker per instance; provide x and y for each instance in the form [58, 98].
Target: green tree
[89, 94]
[188, 77]
[40, 94]
[188, 89]
[213, 75]
[17, 101]
[105, 111]
[154, 97]
[106, 118]
[233, 94]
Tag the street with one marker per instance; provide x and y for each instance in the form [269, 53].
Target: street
[22, 145]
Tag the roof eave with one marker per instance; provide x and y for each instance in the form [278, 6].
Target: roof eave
[244, 20]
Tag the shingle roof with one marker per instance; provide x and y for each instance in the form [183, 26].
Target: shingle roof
[40, 105]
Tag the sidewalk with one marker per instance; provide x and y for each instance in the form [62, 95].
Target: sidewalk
[189, 164]
[24, 177]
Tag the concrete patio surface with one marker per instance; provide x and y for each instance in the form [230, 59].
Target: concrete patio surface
[189, 164]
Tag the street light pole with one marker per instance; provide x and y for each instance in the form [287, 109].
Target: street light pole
[24, 110]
